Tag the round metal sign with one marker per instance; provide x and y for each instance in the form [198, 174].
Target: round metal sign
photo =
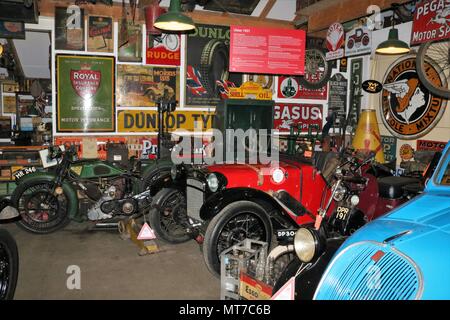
[409, 110]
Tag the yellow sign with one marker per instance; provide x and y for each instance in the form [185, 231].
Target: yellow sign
[252, 289]
[250, 90]
[147, 121]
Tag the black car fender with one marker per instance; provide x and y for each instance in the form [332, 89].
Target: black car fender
[217, 201]
[307, 281]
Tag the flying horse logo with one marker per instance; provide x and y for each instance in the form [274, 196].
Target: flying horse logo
[286, 124]
[409, 97]
[442, 16]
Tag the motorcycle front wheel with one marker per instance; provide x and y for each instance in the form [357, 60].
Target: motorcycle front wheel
[236, 222]
[166, 219]
[42, 210]
[9, 265]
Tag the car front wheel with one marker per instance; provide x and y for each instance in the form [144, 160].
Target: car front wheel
[236, 222]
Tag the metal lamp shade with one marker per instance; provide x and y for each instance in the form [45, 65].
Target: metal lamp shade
[174, 20]
[392, 45]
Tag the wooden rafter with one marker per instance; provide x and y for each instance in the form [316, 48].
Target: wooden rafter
[267, 9]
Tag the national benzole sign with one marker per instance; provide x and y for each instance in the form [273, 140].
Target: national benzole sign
[409, 110]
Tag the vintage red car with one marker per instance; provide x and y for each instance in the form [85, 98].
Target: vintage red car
[358, 38]
[220, 205]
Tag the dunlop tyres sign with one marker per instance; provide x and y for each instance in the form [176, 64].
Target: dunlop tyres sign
[147, 120]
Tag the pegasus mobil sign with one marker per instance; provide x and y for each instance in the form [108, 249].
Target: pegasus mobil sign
[431, 21]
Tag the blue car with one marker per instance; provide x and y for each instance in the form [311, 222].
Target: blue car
[404, 255]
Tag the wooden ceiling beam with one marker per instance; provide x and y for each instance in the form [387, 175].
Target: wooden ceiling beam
[47, 8]
[267, 9]
[323, 13]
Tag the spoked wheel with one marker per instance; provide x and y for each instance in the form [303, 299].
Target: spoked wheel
[317, 69]
[238, 221]
[42, 209]
[9, 265]
[437, 56]
[169, 218]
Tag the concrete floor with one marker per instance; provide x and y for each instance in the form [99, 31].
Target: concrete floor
[110, 267]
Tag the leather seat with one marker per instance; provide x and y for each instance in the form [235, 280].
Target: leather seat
[392, 187]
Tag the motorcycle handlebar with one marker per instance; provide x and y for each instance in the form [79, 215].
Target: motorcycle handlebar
[357, 180]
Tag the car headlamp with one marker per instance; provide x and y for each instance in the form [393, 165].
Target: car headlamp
[278, 176]
[307, 244]
[213, 182]
[339, 193]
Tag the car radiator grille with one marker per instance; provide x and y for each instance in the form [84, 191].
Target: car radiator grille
[195, 197]
[371, 271]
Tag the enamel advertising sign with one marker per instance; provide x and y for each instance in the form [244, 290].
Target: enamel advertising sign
[409, 110]
[85, 100]
[164, 49]
[288, 114]
[358, 41]
[335, 40]
[431, 21]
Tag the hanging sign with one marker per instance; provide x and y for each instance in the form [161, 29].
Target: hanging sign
[428, 145]
[430, 22]
[267, 50]
[163, 49]
[69, 28]
[335, 40]
[288, 114]
[372, 86]
[250, 90]
[358, 41]
[142, 86]
[129, 42]
[389, 147]
[85, 100]
[409, 110]
[290, 88]
[207, 66]
[100, 34]
[337, 98]
[147, 120]
[406, 152]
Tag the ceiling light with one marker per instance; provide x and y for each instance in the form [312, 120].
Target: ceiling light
[174, 20]
[392, 45]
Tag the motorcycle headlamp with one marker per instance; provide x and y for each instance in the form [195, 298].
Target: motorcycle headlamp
[339, 193]
[174, 171]
[307, 244]
[354, 200]
[213, 182]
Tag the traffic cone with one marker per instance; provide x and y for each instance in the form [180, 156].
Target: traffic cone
[367, 137]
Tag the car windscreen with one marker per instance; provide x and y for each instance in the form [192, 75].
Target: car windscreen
[443, 177]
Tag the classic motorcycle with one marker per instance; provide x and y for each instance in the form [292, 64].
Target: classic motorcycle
[355, 201]
[88, 189]
[9, 257]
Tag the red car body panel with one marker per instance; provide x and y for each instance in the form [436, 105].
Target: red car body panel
[302, 181]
